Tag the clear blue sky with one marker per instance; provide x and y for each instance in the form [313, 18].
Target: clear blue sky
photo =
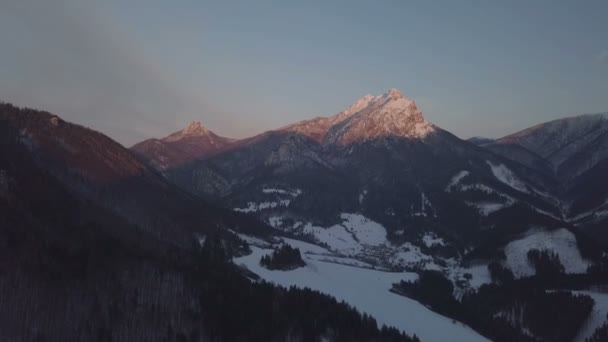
[142, 68]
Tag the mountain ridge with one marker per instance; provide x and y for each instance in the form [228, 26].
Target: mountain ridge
[193, 142]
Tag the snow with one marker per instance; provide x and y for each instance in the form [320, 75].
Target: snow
[560, 241]
[431, 239]
[486, 208]
[365, 230]
[275, 221]
[366, 290]
[425, 207]
[597, 317]
[362, 196]
[349, 237]
[336, 237]
[503, 174]
[456, 179]
[481, 275]
[251, 240]
[598, 212]
[477, 186]
[253, 207]
[293, 193]
[409, 255]
[544, 212]
[306, 247]
[340, 260]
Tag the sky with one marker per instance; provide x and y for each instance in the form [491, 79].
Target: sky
[145, 68]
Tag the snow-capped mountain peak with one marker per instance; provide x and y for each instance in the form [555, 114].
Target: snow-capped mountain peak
[390, 114]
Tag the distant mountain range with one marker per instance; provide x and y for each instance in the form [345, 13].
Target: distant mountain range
[375, 188]
[381, 158]
[97, 246]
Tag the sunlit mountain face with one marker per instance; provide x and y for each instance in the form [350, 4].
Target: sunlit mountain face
[211, 171]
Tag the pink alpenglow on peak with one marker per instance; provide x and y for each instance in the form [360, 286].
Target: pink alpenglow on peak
[192, 143]
[370, 117]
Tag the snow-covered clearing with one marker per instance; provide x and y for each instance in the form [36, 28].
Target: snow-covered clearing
[349, 237]
[480, 274]
[368, 291]
[503, 174]
[456, 179]
[431, 239]
[409, 255]
[560, 241]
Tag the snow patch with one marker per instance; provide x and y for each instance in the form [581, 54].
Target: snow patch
[275, 221]
[293, 193]
[362, 196]
[253, 207]
[305, 247]
[431, 240]
[456, 179]
[486, 208]
[560, 241]
[503, 174]
[425, 207]
[365, 230]
[350, 236]
[480, 275]
[337, 238]
[410, 256]
[251, 240]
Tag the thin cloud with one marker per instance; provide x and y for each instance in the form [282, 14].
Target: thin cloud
[69, 57]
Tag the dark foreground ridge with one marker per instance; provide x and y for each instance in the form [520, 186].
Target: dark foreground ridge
[75, 269]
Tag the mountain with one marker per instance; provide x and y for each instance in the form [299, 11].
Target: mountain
[480, 140]
[101, 170]
[573, 151]
[370, 117]
[69, 254]
[372, 198]
[571, 146]
[380, 161]
[192, 143]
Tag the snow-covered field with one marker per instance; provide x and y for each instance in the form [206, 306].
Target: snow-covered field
[351, 236]
[560, 241]
[361, 238]
[368, 291]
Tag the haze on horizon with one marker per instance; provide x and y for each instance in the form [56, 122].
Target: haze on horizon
[146, 68]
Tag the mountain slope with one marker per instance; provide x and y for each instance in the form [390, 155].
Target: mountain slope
[381, 159]
[74, 269]
[574, 151]
[192, 143]
[571, 145]
[107, 174]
